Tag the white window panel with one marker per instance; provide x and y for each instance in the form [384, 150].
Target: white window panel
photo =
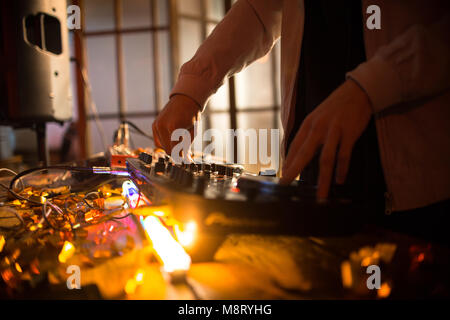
[190, 33]
[163, 13]
[215, 9]
[257, 120]
[165, 63]
[221, 99]
[102, 67]
[139, 141]
[139, 72]
[254, 85]
[191, 7]
[95, 141]
[99, 15]
[136, 13]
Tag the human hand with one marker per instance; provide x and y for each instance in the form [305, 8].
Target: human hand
[336, 123]
[180, 112]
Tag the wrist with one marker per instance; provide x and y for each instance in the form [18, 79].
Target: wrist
[187, 100]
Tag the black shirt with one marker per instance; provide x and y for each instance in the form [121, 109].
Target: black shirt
[333, 44]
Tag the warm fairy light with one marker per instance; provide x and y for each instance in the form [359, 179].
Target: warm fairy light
[66, 252]
[384, 291]
[186, 236]
[133, 283]
[159, 213]
[130, 286]
[18, 268]
[139, 277]
[366, 261]
[346, 272]
[170, 252]
[2, 243]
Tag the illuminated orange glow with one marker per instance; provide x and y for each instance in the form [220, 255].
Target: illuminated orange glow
[346, 272]
[186, 236]
[130, 286]
[384, 291]
[420, 257]
[18, 268]
[139, 277]
[66, 252]
[366, 261]
[170, 252]
[160, 211]
[2, 243]
[133, 283]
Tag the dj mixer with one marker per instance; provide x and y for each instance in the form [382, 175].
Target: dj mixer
[226, 199]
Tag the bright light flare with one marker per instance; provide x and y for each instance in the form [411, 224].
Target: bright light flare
[170, 252]
[2, 243]
[66, 252]
[186, 236]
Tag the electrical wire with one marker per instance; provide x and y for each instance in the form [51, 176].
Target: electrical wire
[92, 105]
[12, 172]
[138, 130]
[16, 214]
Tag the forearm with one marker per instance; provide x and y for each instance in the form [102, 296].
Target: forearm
[246, 33]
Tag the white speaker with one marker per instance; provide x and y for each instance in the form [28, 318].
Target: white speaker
[34, 62]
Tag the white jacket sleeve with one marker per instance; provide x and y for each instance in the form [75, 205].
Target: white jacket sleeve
[246, 33]
[415, 65]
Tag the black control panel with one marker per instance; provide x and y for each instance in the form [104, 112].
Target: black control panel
[225, 199]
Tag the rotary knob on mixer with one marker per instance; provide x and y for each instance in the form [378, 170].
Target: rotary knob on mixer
[206, 167]
[201, 185]
[145, 157]
[160, 166]
[221, 169]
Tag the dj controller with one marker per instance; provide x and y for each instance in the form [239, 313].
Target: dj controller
[225, 199]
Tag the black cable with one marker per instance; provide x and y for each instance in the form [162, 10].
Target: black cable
[68, 168]
[139, 130]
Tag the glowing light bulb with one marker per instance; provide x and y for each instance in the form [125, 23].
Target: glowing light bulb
[169, 251]
[186, 236]
[66, 252]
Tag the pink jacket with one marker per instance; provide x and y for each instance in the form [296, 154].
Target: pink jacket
[406, 76]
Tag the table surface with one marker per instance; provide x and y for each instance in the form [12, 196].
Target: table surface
[253, 266]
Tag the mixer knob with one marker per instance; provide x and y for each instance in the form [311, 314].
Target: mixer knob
[160, 167]
[229, 171]
[179, 175]
[206, 167]
[221, 169]
[187, 179]
[145, 157]
[173, 172]
[201, 184]
[193, 167]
